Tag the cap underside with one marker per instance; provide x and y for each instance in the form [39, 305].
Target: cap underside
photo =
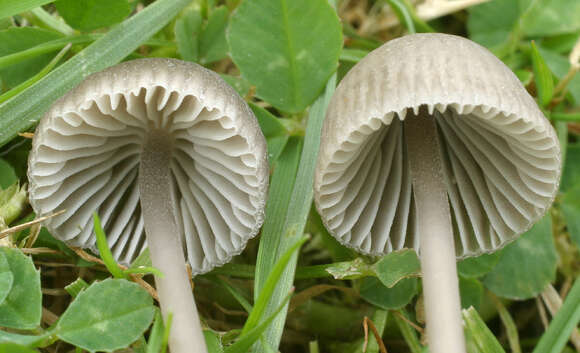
[86, 158]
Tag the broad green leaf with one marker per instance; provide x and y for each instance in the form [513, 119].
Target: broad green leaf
[527, 265]
[551, 17]
[22, 307]
[187, 31]
[570, 206]
[374, 292]
[396, 266]
[571, 172]
[202, 41]
[542, 77]
[24, 340]
[86, 15]
[6, 278]
[7, 175]
[564, 322]
[212, 44]
[17, 39]
[108, 315]
[354, 269]
[15, 348]
[471, 291]
[474, 267]
[24, 110]
[238, 83]
[286, 48]
[491, 23]
[560, 65]
[479, 333]
[12, 7]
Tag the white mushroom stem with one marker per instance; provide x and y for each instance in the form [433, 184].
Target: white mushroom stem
[158, 209]
[440, 283]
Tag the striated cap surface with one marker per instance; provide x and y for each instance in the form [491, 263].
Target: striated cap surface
[501, 156]
[86, 154]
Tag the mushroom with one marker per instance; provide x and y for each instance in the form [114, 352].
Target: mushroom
[171, 158]
[430, 142]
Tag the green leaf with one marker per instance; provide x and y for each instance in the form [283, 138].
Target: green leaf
[156, 336]
[471, 291]
[571, 172]
[296, 213]
[11, 7]
[408, 332]
[15, 348]
[551, 17]
[239, 84]
[374, 292]
[396, 266]
[24, 110]
[480, 333]
[560, 65]
[527, 265]
[258, 311]
[542, 77]
[570, 206]
[213, 341]
[86, 15]
[17, 39]
[108, 315]
[474, 267]
[76, 287]
[286, 48]
[15, 202]
[22, 307]
[187, 31]
[213, 45]
[23, 340]
[6, 278]
[247, 338]
[104, 250]
[273, 130]
[354, 269]
[564, 322]
[491, 23]
[7, 175]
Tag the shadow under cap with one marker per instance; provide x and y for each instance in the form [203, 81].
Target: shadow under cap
[501, 156]
[86, 154]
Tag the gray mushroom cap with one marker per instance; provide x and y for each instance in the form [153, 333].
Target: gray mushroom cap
[86, 154]
[501, 156]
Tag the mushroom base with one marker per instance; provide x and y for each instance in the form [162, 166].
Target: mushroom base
[440, 283]
[158, 207]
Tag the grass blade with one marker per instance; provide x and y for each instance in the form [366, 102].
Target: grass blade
[480, 333]
[13, 7]
[104, 250]
[561, 327]
[247, 340]
[542, 77]
[266, 293]
[297, 215]
[24, 110]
